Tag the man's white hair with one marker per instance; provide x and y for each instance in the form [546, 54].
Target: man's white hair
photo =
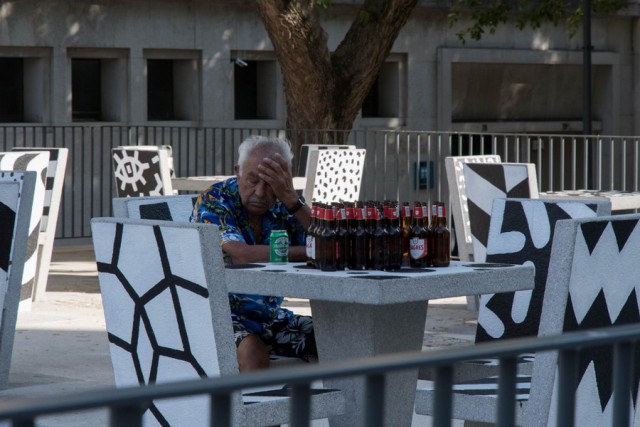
[269, 144]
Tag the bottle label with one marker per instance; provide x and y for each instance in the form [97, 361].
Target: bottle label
[311, 247]
[417, 248]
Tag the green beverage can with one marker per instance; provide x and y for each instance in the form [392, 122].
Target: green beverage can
[279, 247]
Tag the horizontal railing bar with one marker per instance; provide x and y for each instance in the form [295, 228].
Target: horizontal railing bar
[129, 396]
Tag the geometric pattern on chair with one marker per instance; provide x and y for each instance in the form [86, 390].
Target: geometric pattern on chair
[17, 190]
[334, 175]
[166, 208]
[521, 232]
[142, 171]
[593, 281]
[36, 162]
[53, 195]
[458, 197]
[485, 182]
[168, 319]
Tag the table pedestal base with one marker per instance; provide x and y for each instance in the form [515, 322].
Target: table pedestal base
[347, 331]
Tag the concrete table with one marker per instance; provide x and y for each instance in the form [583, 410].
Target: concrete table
[364, 314]
[620, 200]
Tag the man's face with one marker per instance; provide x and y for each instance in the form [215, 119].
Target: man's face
[257, 196]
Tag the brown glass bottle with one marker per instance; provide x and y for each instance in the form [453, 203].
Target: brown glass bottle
[380, 241]
[320, 224]
[328, 241]
[370, 219]
[342, 237]
[405, 213]
[311, 236]
[433, 243]
[420, 238]
[394, 239]
[442, 236]
[359, 240]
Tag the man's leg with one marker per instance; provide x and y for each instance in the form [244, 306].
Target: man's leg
[252, 354]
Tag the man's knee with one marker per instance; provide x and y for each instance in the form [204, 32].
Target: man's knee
[252, 354]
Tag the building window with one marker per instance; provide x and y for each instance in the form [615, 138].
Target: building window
[86, 89]
[255, 90]
[11, 89]
[383, 99]
[160, 105]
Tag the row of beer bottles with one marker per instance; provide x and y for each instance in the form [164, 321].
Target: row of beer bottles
[377, 236]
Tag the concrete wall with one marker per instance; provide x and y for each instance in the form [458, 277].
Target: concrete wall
[443, 84]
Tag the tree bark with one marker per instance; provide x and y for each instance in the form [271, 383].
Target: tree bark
[325, 90]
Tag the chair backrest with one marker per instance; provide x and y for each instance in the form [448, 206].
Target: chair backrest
[485, 182]
[521, 232]
[36, 162]
[305, 149]
[458, 197]
[167, 208]
[594, 281]
[17, 191]
[334, 175]
[142, 171]
[167, 312]
[53, 195]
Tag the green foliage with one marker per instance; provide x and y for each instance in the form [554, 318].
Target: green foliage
[486, 15]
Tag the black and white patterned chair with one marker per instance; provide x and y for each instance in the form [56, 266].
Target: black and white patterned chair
[306, 149]
[167, 208]
[37, 162]
[593, 281]
[334, 175]
[53, 196]
[454, 167]
[168, 319]
[17, 191]
[142, 170]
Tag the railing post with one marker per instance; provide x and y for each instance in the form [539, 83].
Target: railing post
[220, 410]
[567, 376]
[300, 405]
[622, 367]
[130, 416]
[443, 407]
[23, 423]
[507, 392]
[374, 401]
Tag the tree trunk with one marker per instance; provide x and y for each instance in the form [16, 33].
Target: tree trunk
[323, 90]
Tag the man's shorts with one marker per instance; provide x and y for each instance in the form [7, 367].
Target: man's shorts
[283, 337]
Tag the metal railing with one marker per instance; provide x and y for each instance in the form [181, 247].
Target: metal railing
[400, 165]
[126, 405]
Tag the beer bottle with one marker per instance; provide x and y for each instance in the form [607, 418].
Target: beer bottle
[328, 240]
[394, 239]
[420, 239]
[319, 246]
[433, 243]
[310, 238]
[379, 241]
[405, 213]
[371, 226]
[359, 240]
[342, 237]
[442, 256]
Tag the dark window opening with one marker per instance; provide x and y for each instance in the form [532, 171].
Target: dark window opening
[246, 90]
[86, 89]
[160, 102]
[11, 90]
[371, 102]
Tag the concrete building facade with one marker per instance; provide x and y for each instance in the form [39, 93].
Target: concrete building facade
[210, 63]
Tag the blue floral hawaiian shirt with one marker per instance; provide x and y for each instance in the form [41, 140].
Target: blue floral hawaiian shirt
[221, 205]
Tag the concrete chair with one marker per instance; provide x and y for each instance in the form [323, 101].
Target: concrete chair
[17, 192]
[142, 171]
[168, 208]
[593, 281]
[37, 162]
[53, 196]
[306, 149]
[459, 208]
[334, 175]
[168, 319]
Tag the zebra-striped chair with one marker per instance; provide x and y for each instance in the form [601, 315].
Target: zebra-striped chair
[17, 191]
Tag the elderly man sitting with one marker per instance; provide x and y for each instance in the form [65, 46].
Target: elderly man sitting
[246, 208]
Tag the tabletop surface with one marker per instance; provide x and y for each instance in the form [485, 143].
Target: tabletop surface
[620, 200]
[378, 287]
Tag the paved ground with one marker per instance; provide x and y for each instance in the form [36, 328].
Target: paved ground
[61, 344]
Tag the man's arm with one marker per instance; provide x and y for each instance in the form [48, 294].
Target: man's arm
[242, 253]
